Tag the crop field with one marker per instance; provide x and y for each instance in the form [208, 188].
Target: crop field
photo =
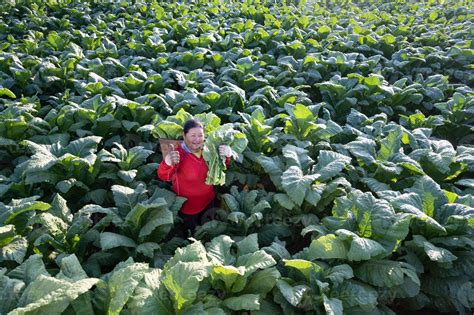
[351, 191]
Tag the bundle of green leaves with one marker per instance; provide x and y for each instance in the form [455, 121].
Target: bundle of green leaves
[224, 135]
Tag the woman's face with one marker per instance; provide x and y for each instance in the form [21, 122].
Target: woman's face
[194, 139]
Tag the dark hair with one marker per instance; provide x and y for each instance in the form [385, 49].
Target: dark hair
[192, 123]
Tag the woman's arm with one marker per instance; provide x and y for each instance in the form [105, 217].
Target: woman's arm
[168, 167]
[166, 172]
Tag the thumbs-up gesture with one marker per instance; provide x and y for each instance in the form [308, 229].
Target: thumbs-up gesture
[172, 158]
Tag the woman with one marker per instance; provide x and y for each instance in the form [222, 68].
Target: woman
[186, 169]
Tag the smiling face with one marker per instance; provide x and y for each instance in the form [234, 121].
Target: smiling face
[194, 139]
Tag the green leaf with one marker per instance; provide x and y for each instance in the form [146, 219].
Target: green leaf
[431, 195]
[110, 240]
[434, 253]
[301, 122]
[296, 156]
[296, 184]
[60, 294]
[330, 164]
[386, 273]
[182, 282]
[332, 306]
[147, 249]
[14, 251]
[228, 274]
[139, 211]
[248, 245]
[364, 249]
[121, 284]
[7, 234]
[194, 252]
[54, 225]
[17, 207]
[249, 302]
[71, 269]
[254, 261]
[219, 250]
[150, 296]
[29, 270]
[6, 92]
[327, 247]
[10, 291]
[339, 273]
[293, 294]
[284, 201]
[60, 209]
[158, 225]
[262, 281]
[363, 149]
[127, 198]
[302, 265]
[357, 294]
[390, 145]
[83, 147]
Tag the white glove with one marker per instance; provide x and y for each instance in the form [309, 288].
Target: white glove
[225, 151]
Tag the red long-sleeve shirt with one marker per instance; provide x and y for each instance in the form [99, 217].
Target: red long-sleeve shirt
[188, 178]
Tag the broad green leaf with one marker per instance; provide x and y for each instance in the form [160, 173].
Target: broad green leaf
[327, 247]
[293, 294]
[228, 274]
[54, 225]
[434, 253]
[296, 156]
[109, 240]
[284, 201]
[60, 294]
[158, 225]
[194, 252]
[139, 212]
[7, 234]
[182, 282]
[364, 249]
[14, 251]
[262, 281]
[29, 270]
[431, 195]
[248, 245]
[83, 147]
[11, 290]
[302, 265]
[390, 145]
[254, 261]
[363, 149]
[330, 164]
[296, 184]
[121, 284]
[150, 296]
[357, 294]
[71, 269]
[60, 209]
[6, 92]
[219, 250]
[147, 249]
[332, 306]
[249, 302]
[17, 207]
[386, 273]
[127, 198]
[339, 273]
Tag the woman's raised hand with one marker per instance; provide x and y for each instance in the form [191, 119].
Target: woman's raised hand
[225, 151]
[172, 158]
